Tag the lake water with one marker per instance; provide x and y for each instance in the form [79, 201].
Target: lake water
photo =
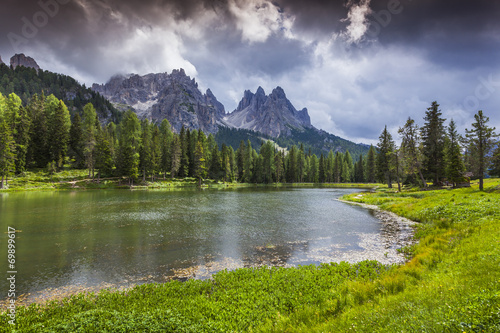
[123, 237]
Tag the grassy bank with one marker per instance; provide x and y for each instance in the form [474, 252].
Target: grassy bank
[450, 284]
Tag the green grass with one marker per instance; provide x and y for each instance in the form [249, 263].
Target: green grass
[450, 284]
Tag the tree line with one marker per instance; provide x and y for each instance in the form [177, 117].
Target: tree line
[437, 152]
[42, 134]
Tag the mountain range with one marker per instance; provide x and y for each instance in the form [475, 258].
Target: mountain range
[177, 98]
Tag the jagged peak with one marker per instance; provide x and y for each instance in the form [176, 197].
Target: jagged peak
[1, 62]
[20, 59]
[260, 91]
[278, 92]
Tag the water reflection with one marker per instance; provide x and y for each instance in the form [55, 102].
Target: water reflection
[95, 238]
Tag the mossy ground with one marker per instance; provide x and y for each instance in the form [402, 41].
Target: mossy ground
[450, 284]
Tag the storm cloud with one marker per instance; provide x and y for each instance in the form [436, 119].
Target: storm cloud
[357, 65]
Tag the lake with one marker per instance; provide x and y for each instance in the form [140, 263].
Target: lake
[102, 238]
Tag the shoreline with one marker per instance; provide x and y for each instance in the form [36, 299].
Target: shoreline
[397, 233]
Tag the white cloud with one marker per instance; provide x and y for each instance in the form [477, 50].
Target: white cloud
[258, 19]
[358, 22]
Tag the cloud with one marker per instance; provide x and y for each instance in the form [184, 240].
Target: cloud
[358, 21]
[325, 54]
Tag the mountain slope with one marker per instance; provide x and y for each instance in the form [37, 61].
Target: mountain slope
[174, 97]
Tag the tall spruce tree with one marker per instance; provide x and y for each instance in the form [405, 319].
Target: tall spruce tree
[129, 145]
[89, 137]
[481, 139]
[386, 149]
[411, 156]
[433, 134]
[7, 143]
[453, 155]
[370, 165]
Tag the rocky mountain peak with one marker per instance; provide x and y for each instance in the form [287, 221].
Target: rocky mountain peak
[22, 60]
[174, 97]
[273, 115]
[278, 93]
[1, 62]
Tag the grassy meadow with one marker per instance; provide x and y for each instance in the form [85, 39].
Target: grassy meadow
[449, 284]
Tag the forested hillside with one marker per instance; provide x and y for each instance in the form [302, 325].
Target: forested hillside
[26, 82]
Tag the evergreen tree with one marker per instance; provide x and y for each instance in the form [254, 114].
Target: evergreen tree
[199, 163]
[350, 166]
[184, 160]
[453, 156]
[330, 163]
[322, 171]
[278, 166]
[267, 153]
[314, 169]
[89, 137]
[38, 150]
[156, 152]
[291, 162]
[370, 165]
[301, 161]
[22, 139]
[103, 153]
[76, 142]
[247, 163]
[240, 153]
[386, 149]
[129, 145]
[59, 128]
[411, 155]
[337, 162]
[215, 169]
[166, 143]
[176, 152]
[7, 143]
[433, 134]
[481, 140]
[359, 170]
[146, 151]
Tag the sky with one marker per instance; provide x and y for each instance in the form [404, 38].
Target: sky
[357, 65]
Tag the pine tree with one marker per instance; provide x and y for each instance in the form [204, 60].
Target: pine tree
[156, 152]
[215, 168]
[129, 145]
[59, 128]
[38, 150]
[166, 143]
[350, 166]
[278, 166]
[322, 171]
[314, 169]
[89, 137]
[410, 151]
[433, 134]
[291, 162]
[7, 143]
[453, 156]
[247, 163]
[175, 156]
[76, 142]
[145, 151]
[386, 149]
[370, 165]
[481, 140]
[22, 139]
[337, 162]
[199, 163]
[103, 153]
